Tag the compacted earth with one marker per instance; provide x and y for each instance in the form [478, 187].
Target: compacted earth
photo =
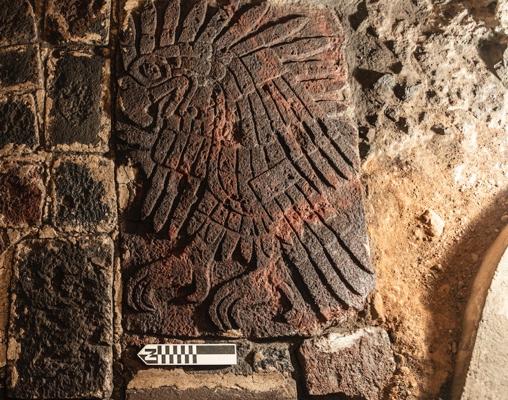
[433, 123]
[316, 182]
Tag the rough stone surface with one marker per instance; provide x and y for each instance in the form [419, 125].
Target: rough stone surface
[19, 68]
[61, 319]
[358, 365]
[75, 117]
[8, 240]
[502, 14]
[83, 194]
[234, 118]
[17, 22]
[176, 385]
[431, 107]
[271, 357]
[81, 21]
[18, 124]
[22, 195]
[433, 223]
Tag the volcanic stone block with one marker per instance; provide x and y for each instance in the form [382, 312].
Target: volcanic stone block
[248, 170]
[77, 91]
[358, 365]
[5, 278]
[272, 357]
[8, 239]
[84, 21]
[18, 124]
[20, 68]
[176, 384]
[22, 195]
[60, 343]
[83, 194]
[17, 22]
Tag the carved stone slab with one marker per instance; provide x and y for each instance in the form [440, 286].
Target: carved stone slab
[250, 211]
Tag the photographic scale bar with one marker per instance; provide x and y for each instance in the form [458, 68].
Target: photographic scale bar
[188, 354]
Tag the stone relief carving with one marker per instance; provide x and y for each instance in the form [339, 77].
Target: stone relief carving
[249, 169]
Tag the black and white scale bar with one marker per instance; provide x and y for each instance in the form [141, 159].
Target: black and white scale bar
[188, 354]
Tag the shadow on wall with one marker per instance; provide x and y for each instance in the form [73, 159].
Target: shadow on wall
[449, 292]
[482, 10]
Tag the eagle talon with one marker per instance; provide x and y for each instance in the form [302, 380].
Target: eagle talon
[202, 282]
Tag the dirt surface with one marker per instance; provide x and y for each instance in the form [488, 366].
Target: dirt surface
[431, 101]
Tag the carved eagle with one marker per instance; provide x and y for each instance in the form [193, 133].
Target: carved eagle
[232, 111]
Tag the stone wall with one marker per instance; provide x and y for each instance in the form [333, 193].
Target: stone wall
[182, 170]
[194, 171]
[58, 204]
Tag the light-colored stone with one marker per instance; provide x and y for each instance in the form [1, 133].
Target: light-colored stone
[8, 239]
[378, 307]
[158, 384]
[482, 359]
[434, 223]
[502, 14]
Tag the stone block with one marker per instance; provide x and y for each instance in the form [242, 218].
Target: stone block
[81, 21]
[358, 365]
[83, 194]
[17, 22]
[5, 278]
[8, 240]
[19, 131]
[20, 68]
[248, 170]
[77, 94]
[271, 357]
[60, 336]
[23, 194]
[176, 385]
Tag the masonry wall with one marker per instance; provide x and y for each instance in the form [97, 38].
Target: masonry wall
[182, 172]
[97, 245]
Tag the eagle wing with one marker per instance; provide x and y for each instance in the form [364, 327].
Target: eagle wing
[234, 115]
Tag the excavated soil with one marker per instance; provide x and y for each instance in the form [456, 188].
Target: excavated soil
[431, 101]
